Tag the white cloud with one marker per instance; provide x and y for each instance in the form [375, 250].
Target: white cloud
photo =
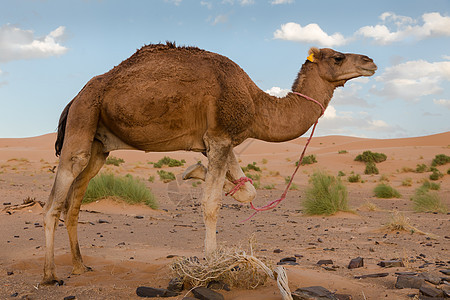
[350, 95]
[16, 44]
[276, 2]
[207, 4]
[176, 2]
[220, 19]
[442, 102]
[241, 2]
[277, 91]
[311, 33]
[395, 28]
[413, 79]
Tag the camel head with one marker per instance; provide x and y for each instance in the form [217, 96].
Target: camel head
[337, 68]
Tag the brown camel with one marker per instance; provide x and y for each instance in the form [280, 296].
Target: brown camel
[168, 98]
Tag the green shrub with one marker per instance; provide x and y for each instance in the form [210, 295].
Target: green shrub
[124, 188]
[325, 195]
[252, 166]
[151, 178]
[342, 151]
[307, 160]
[167, 161]
[431, 185]
[440, 159]
[114, 161]
[421, 168]
[407, 182]
[369, 156]
[269, 186]
[426, 201]
[253, 176]
[385, 191]
[371, 168]
[165, 176]
[354, 178]
[341, 174]
[436, 175]
[293, 187]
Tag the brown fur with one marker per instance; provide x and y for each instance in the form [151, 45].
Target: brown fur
[167, 98]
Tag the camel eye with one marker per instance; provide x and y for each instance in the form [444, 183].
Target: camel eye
[338, 59]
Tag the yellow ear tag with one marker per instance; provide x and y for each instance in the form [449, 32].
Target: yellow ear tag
[311, 57]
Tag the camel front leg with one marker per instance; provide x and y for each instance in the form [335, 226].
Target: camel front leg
[218, 154]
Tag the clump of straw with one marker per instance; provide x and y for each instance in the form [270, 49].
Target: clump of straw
[400, 222]
[229, 265]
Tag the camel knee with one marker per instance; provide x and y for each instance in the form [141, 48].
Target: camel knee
[79, 162]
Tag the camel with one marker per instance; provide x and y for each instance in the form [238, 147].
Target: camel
[168, 98]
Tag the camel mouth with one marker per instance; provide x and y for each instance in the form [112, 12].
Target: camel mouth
[368, 71]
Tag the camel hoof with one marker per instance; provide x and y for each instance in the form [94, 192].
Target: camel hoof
[81, 270]
[197, 171]
[52, 281]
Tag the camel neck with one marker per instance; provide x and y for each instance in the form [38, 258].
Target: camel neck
[284, 119]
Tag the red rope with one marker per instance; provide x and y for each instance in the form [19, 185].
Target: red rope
[274, 203]
[240, 182]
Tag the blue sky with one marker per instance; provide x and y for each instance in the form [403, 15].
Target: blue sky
[50, 48]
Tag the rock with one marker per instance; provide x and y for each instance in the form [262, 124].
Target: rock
[374, 275]
[343, 297]
[70, 298]
[409, 282]
[6, 203]
[298, 255]
[293, 259]
[189, 298]
[391, 263]
[312, 293]
[9, 273]
[288, 263]
[176, 284]
[138, 217]
[406, 273]
[101, 221]
[218, 285]
[277, 251]
[203, 293]
[356, 263]
[431, 291]
[431, 278]
[324, 262]
[445, 272]
[149, 292]
[14, 295]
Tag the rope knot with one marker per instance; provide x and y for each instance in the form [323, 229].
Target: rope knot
[238, 183]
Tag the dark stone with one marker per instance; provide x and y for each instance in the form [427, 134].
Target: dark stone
[70, 298]
[121, 244]
[289, 263]
[343, 297]
[445, 272]
[406, 273]
[313, 293]
[277, 251]
[101, 221]
[189, 298]
[176, 284]
[430, 278]
[149, 292]
[203, 293]
[391, 263]
[293, 259]
[324, 262]
[356, 263]
[139, 217]
[14, 295]
[9, 273]
[298, 255]
[431, 291]
[218, 285]
[409, 282]
[6, 203]
[375, 275]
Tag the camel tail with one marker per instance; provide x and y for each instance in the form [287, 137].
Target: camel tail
[62, 129]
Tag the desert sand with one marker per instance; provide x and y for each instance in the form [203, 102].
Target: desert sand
[127, 252]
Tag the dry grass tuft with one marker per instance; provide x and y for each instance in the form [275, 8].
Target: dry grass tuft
[399, 222]
[230, 265]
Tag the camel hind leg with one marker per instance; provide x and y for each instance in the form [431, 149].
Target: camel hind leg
[80, 128]
[74, 200]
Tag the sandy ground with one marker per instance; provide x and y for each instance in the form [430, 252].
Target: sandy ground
[128, 252]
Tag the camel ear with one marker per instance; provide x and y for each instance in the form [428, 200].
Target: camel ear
[314, 54]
